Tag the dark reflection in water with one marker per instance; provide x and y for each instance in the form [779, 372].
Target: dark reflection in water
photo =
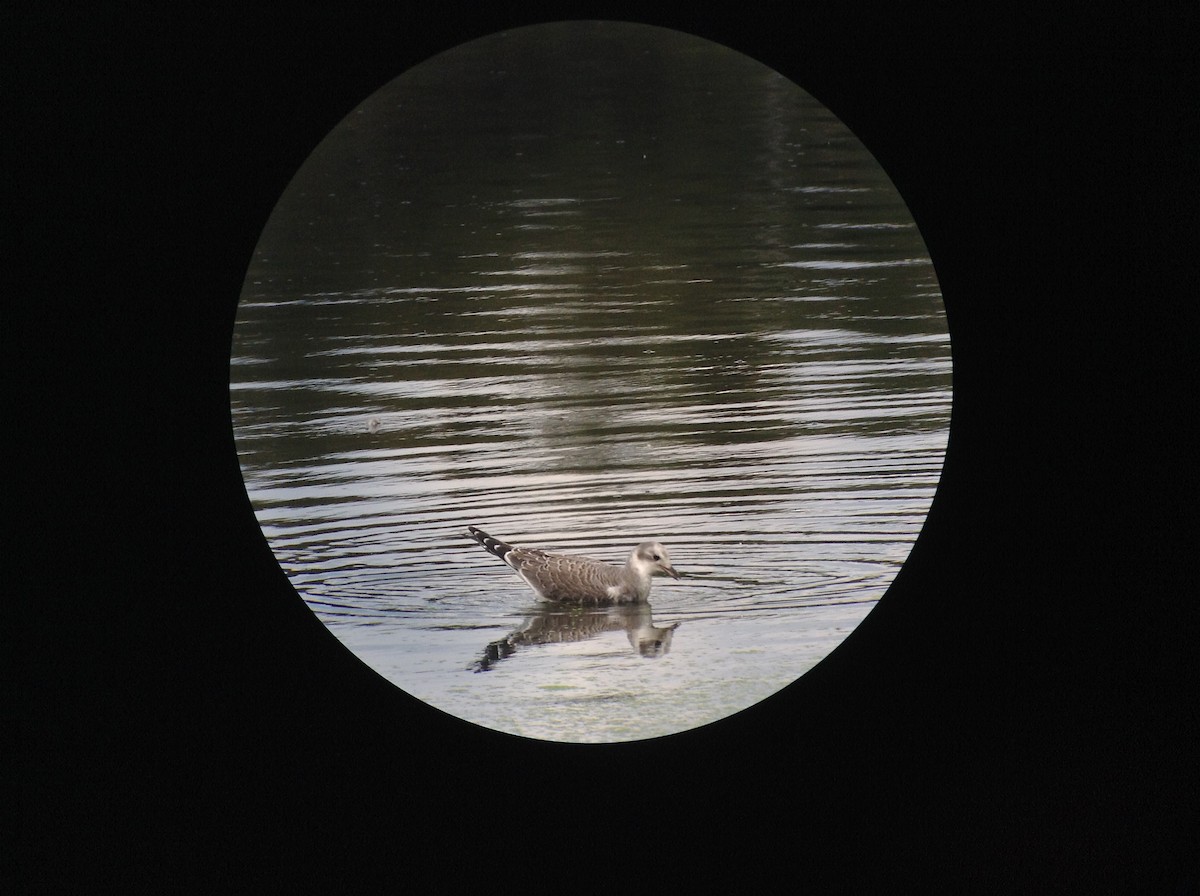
[593, 283]
[549, 625]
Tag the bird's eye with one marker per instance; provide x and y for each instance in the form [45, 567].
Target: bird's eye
[656, 557]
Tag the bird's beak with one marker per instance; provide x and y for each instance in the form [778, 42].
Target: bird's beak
[669, 570]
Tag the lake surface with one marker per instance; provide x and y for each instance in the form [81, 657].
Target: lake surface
[583, 285]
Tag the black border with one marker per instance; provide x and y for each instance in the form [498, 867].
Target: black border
[1015, 713]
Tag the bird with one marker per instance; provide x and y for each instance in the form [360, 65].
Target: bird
[563, 578]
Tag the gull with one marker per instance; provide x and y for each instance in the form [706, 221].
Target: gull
[564, 578]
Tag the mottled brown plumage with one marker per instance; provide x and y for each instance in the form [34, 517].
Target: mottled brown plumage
[564, 578]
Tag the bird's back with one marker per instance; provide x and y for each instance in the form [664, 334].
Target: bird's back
[565, 577]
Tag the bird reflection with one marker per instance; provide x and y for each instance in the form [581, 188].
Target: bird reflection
[555, 625]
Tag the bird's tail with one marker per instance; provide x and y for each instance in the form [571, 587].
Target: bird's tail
[491, 545]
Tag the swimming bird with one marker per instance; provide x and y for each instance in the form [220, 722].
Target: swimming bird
[564, 578]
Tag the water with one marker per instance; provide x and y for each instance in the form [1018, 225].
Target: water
[669, 298]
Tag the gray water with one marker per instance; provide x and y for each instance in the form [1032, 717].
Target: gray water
[583, 285]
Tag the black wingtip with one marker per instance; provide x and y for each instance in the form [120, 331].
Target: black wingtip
[491, 545]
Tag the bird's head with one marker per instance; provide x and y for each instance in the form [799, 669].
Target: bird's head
[651, 558]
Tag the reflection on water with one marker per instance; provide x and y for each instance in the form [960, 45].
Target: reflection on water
[555, 625]
[669, 299]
